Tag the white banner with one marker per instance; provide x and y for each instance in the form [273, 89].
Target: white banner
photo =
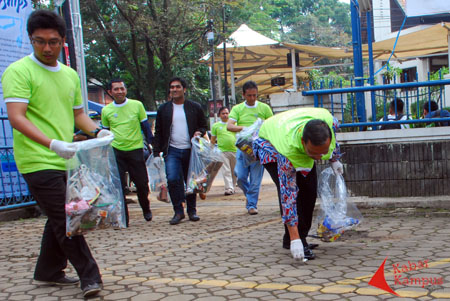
[415, 8]
[14, 42]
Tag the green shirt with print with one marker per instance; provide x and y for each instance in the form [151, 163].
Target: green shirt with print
[226, 140]
[51, 93]
[124, 121]
[285, 132]
[245, 115]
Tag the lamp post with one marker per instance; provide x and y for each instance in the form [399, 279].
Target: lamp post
[225, 58]
[210, 38]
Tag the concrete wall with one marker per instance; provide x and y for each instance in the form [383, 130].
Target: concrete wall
[396, 163]
[281, 102]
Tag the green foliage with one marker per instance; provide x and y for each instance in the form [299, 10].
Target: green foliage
[392, 72]
[319, 79]
[439, 74]
[146, 43]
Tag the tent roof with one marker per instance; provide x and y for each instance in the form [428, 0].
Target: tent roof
[258, 58]
[415, 44]
[244, 36]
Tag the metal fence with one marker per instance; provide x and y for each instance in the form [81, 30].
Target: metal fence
[366, 108]
[13, 188]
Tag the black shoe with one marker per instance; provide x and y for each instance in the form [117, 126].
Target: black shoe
[194, 217]
[176, 219]
[91, 290]
[308, 253]
[313, 246]
[148, 216]
[63, 281]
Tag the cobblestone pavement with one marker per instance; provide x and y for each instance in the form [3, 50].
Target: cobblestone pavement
[230, 255]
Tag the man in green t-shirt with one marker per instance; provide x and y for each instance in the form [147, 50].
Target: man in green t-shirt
[127, 120]
[226, 141]
[287, 146]
[43, 99]
[249, 175]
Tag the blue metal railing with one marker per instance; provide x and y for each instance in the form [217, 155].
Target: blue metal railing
[342, 102]
[13, 188]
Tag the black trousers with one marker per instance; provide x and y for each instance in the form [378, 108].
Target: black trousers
[133, 162]
[48, 187]
[306, 199]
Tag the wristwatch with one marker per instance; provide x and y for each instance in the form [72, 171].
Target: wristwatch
[96, 131]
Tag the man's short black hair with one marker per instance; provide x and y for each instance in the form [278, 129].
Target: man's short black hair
[221, 109]
[400, 105]
[115, 80]
[317, 131]
[178, 79]
[249, 85]
[430, 106]
[45, 19]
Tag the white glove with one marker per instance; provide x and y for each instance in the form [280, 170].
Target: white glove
[104, 133]
[337, 167]
[297, 249]
[63, 149]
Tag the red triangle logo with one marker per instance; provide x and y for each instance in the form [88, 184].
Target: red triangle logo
[379, 281]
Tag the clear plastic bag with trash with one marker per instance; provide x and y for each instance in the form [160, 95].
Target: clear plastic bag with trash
[244, 140]
[336, 215]
[204, 164]
[94, 198]
[156, 170]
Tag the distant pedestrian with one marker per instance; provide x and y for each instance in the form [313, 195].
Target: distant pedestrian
[249, 175]
[127, 119]
[43, 99]
[226, 141]
[431, 110]
[395, 114]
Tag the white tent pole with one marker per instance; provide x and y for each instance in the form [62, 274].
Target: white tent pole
[79, 51]
[233, 85]
[294, 67]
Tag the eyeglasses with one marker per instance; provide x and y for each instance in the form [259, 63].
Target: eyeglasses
[42, 43]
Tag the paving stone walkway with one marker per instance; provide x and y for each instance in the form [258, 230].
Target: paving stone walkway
[230, 255]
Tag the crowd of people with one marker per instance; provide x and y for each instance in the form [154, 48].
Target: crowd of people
[44, 104]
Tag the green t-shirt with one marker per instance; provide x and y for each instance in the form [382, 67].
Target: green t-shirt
[51, 93]
[226, 140]
[124, 120]
[285, 132]
[246, 116]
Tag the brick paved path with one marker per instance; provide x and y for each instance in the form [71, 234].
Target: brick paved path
[229, 255]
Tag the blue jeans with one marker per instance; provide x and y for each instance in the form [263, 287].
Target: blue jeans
[177, 165]
[250, 187]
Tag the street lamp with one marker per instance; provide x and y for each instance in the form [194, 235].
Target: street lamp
[210, 38]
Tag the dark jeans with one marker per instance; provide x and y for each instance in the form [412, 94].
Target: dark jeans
[48, 187]
[306, 198]
[177, 165]
[133, 162]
